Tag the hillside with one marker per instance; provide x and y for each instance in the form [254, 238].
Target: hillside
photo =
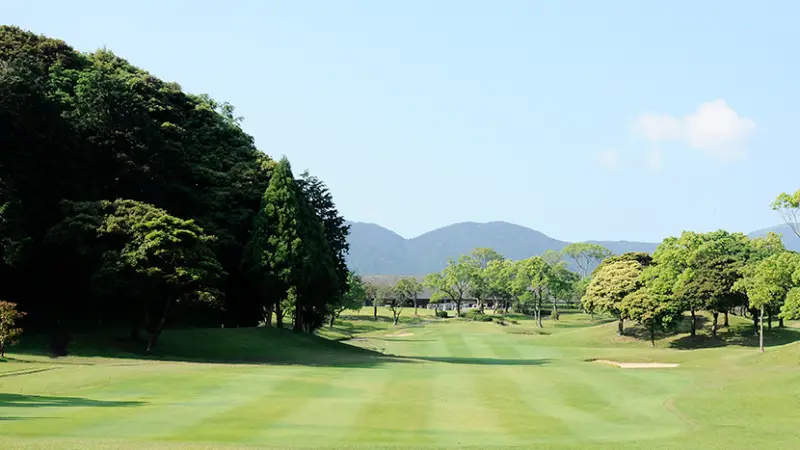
[790, 240]
[375, 250]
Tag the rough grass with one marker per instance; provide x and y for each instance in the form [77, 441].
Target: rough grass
[441, 384]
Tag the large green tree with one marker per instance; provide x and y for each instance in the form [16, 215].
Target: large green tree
[479, 281]
[532, 283]
[409, 288]
[561, 285]
[371, 291]
[501, 275]
[768, 282]
[335, 228]
[168, 259]
[289, 249]
[614, 279]
[585, 256]
[452, 283]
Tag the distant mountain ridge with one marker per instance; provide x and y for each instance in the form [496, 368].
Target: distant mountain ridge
[375, 250]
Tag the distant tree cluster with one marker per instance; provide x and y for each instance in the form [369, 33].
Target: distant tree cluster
[526, 285]
[125, 201]
[718, 272]
[396, 297]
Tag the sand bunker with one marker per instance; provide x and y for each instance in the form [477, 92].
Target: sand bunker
[632, 365]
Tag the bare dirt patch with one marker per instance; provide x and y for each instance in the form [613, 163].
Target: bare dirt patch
[636, 365]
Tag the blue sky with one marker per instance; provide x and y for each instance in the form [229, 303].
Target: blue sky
[581, 119]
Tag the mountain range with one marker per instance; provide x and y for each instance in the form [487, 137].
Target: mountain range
[375, 250]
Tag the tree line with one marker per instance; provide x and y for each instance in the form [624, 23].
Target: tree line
[125, 201]
[717, 272]
[524, 286]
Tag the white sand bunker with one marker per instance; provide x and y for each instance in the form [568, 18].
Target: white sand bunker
[632, 365]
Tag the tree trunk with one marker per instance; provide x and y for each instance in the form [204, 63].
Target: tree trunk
[268, 316]
[591, 316]
[298, 319]
[458, 309]
[761, 331]
[555, 309]
[780, 322]
[136, 331]
[2, 349]
[151, 345]
[538, 312]
[715, 314]
[694, 323]
[396, 318]
[726, 324]
[333, 318]
[374, 311]
[621, 326]
[278, 315]
[652, 334]
[415, 304]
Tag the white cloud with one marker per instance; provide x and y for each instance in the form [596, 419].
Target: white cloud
[714, 128]
[609, 159]
[654, 160]
[659, 128]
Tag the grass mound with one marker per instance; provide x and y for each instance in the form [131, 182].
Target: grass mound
[216, 345]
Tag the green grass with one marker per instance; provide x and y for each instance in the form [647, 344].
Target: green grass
[441, 384]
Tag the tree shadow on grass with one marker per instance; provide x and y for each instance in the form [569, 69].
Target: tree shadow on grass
[482, 361]
[257, 346]
[742, 335]
[41, 401]
[641, 333]
[368, 318]
[353, 329]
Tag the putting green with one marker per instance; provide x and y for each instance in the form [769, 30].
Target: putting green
[456, 384]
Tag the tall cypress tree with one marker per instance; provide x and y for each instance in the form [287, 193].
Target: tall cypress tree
[288, 250]
[274, 249]
[334, 227]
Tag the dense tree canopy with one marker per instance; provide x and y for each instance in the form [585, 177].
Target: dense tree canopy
[115, 184]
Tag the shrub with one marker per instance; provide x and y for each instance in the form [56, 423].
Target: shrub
[441, 314]
[9, 315]
[476, 316]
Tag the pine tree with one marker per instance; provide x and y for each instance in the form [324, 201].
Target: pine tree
[289, 251]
